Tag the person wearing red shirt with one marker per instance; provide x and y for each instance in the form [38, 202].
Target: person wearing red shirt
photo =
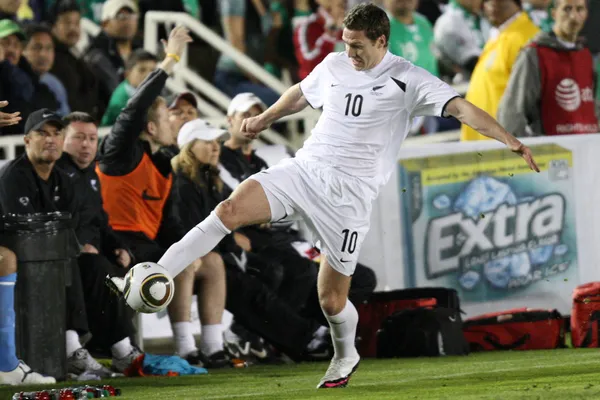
[317, 35]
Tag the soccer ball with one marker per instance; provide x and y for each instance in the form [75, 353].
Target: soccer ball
[148, 288]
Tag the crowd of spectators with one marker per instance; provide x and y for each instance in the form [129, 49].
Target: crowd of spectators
[171, 168]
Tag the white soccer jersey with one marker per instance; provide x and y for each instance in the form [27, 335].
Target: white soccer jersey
[367, 114]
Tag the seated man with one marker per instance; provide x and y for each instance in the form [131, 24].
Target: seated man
[31, 184]
[103, 254]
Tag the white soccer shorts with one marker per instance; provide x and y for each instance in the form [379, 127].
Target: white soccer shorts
[336, 207]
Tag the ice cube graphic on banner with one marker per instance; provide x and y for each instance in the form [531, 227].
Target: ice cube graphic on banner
[484, 224]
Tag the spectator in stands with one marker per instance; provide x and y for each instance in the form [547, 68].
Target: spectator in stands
[32, 184]
[79, 80]
[110, 50]
[246, 28]
[280, 52]
[9, 8]
[551, 87]
[12, 370]
[318, 35]
[197, 189]
[512, 31]
[138, 66]
[411, 34]
[39, 51]
[539, 13]
[31, 93]
[131, 164]
[459, 36]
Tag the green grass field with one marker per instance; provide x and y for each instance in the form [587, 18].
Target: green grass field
[554, 374]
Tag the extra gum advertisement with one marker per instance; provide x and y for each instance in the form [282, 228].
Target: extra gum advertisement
[485, 224]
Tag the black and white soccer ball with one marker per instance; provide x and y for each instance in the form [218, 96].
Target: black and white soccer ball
[148, 288]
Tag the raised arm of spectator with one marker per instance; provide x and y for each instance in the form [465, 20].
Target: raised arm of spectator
[522, 94]
[131, 122]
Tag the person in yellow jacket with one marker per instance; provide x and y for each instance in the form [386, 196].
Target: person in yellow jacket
[512, 31]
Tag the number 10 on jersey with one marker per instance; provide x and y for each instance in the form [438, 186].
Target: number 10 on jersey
[353, 104]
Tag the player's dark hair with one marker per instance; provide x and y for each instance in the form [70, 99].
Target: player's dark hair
[138, 56]
[79, 116]
[34, 28]
[369, 18]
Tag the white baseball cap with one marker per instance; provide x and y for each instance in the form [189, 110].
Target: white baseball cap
[199, 129]
[111, 8]
[243, 102]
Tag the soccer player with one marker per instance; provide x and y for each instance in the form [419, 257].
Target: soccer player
[368, 98]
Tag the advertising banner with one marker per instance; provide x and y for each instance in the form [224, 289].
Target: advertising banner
[483, 223]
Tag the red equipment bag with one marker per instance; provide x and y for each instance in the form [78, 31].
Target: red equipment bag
[585, 315]
[516, 329]
[381, 305]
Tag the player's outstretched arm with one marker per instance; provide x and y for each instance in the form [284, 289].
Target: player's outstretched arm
[290, 102]
[483, 123]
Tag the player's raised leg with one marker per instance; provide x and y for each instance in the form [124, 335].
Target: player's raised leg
[247, 205]
[342, 316]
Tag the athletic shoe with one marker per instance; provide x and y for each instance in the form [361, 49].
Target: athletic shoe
[240, 343]
[339, 372]
[23, 375]
[81, 362]
[121, 364]
[220, 359]
[115, 284]
[320, 348]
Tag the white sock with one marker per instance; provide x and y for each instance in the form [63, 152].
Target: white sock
[184, 339]
[122, 348]
[343, 331]
[211, 340]
[198, 242]
[72, 342]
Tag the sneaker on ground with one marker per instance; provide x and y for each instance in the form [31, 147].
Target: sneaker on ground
[339, 372]
[241, 343]
[23, 375]
[121, 364]
[82, 361]
[116, 284]
[320, 348]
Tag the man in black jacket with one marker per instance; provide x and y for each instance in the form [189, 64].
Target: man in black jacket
[33, 184]
[103, 254]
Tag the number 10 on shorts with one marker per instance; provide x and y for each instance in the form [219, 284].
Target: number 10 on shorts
[350, 239]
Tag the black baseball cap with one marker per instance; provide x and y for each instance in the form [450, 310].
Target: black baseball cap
[38, 118]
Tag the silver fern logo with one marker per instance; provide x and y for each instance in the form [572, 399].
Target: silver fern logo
[568, 95]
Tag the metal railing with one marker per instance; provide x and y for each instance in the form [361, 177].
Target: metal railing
[184, 75]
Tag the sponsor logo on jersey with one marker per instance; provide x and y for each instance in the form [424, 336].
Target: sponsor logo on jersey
[569, 95]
